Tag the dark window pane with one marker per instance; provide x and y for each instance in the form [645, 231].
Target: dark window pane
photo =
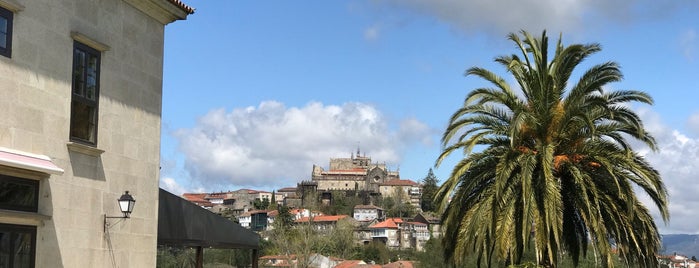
[91, 83]
[17, 246]
[82, 121]
[78, 73]
[5, 249]
[3, 25]
[18, 194]
[85, 101]
[22, 250]
[5, 33]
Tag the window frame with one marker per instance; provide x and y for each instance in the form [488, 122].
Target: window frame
[9, 16]
[35, 183]
[89, 51]
[14, 228]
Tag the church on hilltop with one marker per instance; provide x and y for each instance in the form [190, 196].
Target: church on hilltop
[358, 173]
[354, 173]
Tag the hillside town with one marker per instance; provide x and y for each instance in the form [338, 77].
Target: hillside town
[370, 183]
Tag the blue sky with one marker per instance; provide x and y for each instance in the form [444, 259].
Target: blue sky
[256, 92]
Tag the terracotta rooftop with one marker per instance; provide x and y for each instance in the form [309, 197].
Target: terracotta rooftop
[323, 218]
[387, 224]
[182, 6]
[400, 183]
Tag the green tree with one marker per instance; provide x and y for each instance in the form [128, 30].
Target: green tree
[284, 218]
[342, 204]
[273, 203]
[432, 255]
[429, 189]
[261, 204]
[556, 172]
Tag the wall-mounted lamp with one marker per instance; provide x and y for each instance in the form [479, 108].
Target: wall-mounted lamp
[126, 203]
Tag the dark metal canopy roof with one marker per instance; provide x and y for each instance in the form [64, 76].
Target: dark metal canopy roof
[183, 223]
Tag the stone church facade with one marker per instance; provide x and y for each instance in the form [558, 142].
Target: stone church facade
[354, 173]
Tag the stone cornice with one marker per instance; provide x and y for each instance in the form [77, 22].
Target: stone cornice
[161, 10]
[11, 5]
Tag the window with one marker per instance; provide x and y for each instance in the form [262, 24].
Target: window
[5, 32]
[17, 245]
[19, 194]
[85, 97]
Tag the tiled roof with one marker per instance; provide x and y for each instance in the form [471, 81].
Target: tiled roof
[387, 224]
[349, 264]
[194, 197]
[182, 6]
[287, 189]
[323, 218]
[367, 207]
[396, 220]
[399, 183]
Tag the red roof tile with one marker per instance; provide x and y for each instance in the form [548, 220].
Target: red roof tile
[194, 197]
[348, 264]
[399, 183]
[396, 220]
[387, 224]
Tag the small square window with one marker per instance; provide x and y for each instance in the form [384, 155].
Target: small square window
[85, 97]
[6, 32]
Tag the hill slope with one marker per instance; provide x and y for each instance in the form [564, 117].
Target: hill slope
[683, 244]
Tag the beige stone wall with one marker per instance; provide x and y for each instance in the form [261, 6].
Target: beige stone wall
[36, 88]
[339, 184]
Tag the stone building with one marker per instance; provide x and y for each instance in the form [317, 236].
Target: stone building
[359, 174]
[354, 173]
[232, 203]
[81, 86]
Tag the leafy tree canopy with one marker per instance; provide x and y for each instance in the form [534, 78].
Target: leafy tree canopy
[556, 172]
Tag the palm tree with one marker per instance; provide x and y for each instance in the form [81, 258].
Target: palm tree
[554, 172]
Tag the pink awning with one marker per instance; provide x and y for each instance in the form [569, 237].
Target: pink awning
[28, 161]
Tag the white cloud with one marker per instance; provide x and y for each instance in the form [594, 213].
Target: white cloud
[171, 185]
[275, 145]
[688, 44]
[677, 163]
[372, 33]
[693, 123]
[504, 16]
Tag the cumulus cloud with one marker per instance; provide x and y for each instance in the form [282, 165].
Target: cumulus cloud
[275, 145]
[676, 162]
[171, 185]
[372, 33]
[693, 124]
[506, 16]
[688, 43]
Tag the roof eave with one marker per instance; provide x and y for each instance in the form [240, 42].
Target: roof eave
[164, 11]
